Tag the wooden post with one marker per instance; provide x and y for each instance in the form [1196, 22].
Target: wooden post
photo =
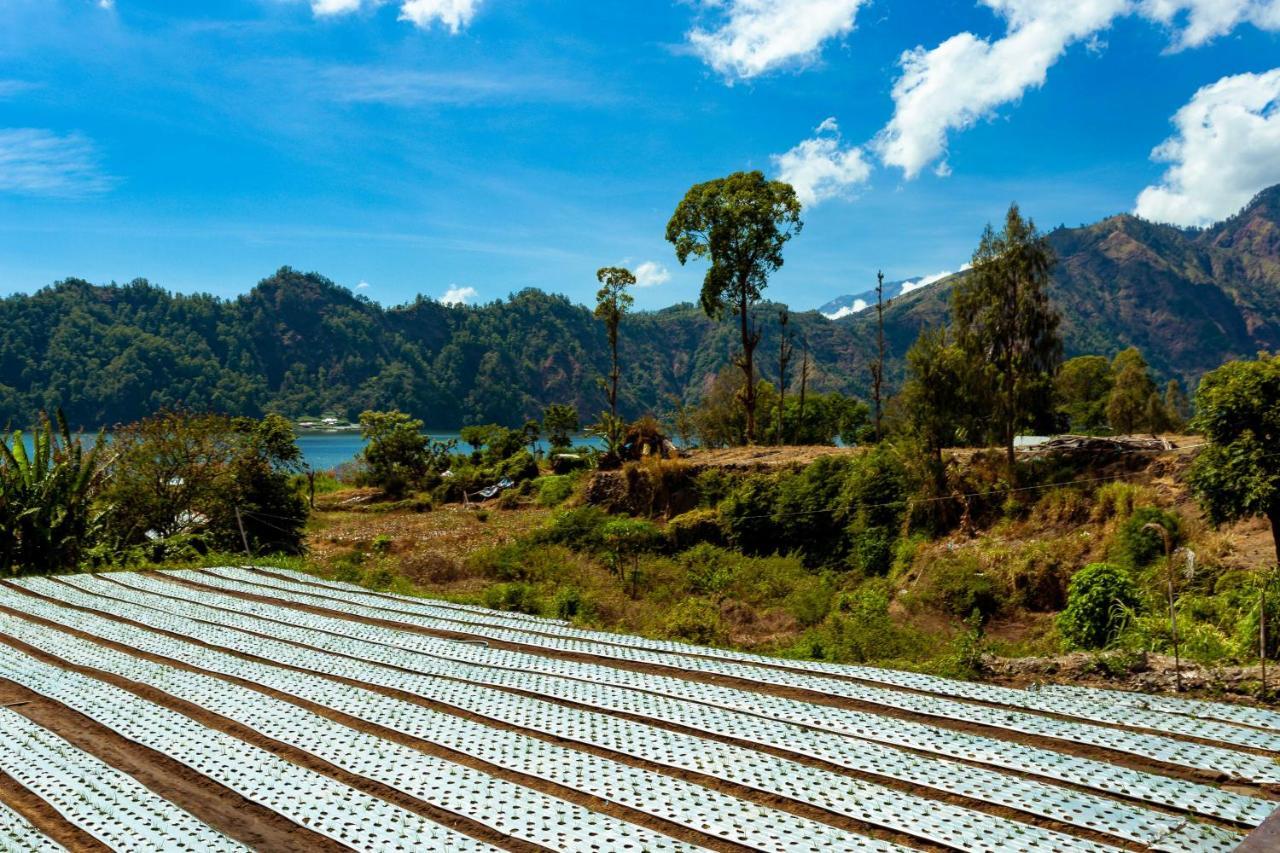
[244, 537]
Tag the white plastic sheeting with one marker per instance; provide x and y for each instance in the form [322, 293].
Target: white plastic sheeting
[230, 610]
[673, 799]
[1156, 713]
[747, 767]
[501, 805]
[109, 805]
[308, 798]
[18, 835]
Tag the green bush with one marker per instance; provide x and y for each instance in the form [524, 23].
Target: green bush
[872, 550]
[708, 569]
[554, 489]
[747, 514]
[1136, 547]
[811, 601]
[959, 585]
[1099, 600]
[580, 528]
[570, 604]
[810, 506]
[515, 597]
[714, 485]
[695, 527]
[696, 620]
[860, 629]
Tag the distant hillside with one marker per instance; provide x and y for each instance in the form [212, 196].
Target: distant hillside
[299, 343]
[852, 303]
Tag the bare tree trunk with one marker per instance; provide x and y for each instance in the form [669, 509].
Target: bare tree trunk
[1274, 518]
[784, 358]
[750, 338]
[804, 380]
[877, 373]
[613, 374]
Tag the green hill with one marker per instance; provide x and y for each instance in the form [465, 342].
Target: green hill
[299, 343]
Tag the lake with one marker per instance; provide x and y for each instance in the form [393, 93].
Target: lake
[325, 450]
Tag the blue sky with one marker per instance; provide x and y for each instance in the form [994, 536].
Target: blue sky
[477, 147]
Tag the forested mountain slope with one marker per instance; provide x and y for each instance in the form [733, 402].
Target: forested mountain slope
[299, 343]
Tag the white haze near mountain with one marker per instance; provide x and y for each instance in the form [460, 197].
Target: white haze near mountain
[859, 305]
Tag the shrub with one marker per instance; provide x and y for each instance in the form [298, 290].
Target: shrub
[811, 601]
[708, 569]
[958, 585]
[871, 550]
[714, 485]
[860, 628]
[1117, 500]
[1136, 547]
[516, 597]
[695, 527]
[1099, 600]
[810, 505]
[570, 604]
[1061, 506]
[696, 620]
[579, 528]
[748, 515]
[554, 489]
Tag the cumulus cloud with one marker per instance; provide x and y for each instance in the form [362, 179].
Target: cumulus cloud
[822, 167]
[651, 274]
[966, 78]
[756, 36]
[847, 310]
[364, 285]
[908, 286]
[456, 295]
[1226, 147]
[43, 163]
[453, 15]
[1205, 20]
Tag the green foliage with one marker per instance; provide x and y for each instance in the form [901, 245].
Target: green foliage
[739, 224]
[860, 629]
[1083, 388]
[624, 540]
[874, 496]
[1132, 389]
[747, 514]
[1099, 600]
[398, 456]
[1238, 474]
[695, 527]
[46, 498]
[612, 301]
[961, 586]
[935, 402]
[696, 620]
[1138, 547]
[1008, 329]
[177, 474]
[492, 443]
[580, 528]
[555, 489]
[560, 422]
[515, 597]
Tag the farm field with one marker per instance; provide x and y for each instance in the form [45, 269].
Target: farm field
[242, 708]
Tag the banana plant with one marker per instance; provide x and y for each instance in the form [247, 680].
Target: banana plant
[46, 498]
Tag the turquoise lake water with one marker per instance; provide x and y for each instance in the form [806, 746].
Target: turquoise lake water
[325, 450]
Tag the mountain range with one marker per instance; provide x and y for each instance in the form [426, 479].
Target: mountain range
[295, 343]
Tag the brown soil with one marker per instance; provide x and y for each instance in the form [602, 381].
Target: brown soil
[42, 815]
[220, 807]
[763, 457]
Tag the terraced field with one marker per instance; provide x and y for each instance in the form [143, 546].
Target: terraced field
[234, 708]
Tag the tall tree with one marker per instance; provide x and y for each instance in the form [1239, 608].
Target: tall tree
[739, 224]
[1083, 387]
[934, 401]
[1128, 403]
[785, 348]
[1007, 328]
[804, 376]
[1237, 475]
[560, 422]
[877, 369]
[612, 301]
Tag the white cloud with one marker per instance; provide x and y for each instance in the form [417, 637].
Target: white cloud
[456, 295]
[821, 167]
[966, 78]
[1205, 20]
[1225, 149]
[364, 285]
[755, 36]
[927, 280]
[325, 8]
[847, 310]
[452, 14]
[651, 273]
[43, 163]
